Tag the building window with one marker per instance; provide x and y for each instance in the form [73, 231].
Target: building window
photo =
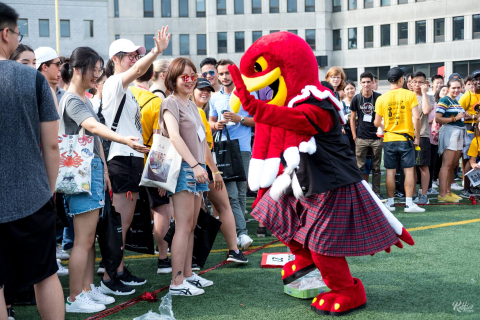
[337, 40]
[115, 9]
[419, 0]
[200, 8]
[185, 44]
[368, 35]
[430, 69]
[458, 28]
[403, 33]
[65, 28]
[23, 27]
[352, 38]
[385, 35]
[88, 28]
[420, 31]
[183, 8]
[293, 31]
[238, 7]
[476, 26]
[385, 3]
[221, 7]
[239, 41]
[309, 5]
[273, 31]
[352, 5]
[380, 72]
[168, 51]
[148, 41]
[439, 30]
[402, 1]
[351, 74]
[291, 5]
[44, 28]
[274, 6]
[368, 4]
[117, 36]
[337, 5]
[465, 68]
[256, 35]
[201, 44]
[148, 8]
[310, 38]
[166, 8]
[256, 6]
[222, 42]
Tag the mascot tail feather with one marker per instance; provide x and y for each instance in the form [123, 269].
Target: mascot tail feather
[282, 183]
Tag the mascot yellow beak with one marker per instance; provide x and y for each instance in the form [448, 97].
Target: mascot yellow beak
[273, 79]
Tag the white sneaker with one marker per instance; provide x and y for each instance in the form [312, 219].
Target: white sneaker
[432, 191]
[413, 208]
[96, 295]
[390, 207]
[83, 304]
[62, 271]
[198, 281]
[434, 185]
[456, 187]
[185, 289]
[62, 255]
[245, 241]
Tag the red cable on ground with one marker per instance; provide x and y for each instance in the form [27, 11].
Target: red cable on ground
[136, 300]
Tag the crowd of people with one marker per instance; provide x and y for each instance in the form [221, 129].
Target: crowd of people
[422, 129]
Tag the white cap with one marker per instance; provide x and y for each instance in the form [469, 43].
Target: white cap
[124, 45]
[44, 54]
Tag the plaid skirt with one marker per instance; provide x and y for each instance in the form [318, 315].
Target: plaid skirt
[342, 222]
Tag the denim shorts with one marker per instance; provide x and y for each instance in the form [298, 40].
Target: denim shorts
[468, 141]
[83, 202]
[186, 181]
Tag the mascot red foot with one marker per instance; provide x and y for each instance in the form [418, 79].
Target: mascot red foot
[311, 193]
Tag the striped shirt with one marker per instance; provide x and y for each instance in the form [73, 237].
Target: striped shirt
[449, 107]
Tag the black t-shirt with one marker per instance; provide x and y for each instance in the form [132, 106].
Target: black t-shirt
[365, 109]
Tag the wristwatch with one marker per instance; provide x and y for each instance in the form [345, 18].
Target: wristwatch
[242, 120]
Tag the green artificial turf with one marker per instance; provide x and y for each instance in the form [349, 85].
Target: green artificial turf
[419, 282]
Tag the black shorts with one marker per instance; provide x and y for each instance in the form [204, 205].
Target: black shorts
[425, 150]
[154, 199]
[398, 152]
[125, 173]
[28, 248]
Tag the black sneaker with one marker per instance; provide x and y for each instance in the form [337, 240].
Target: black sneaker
[164, 266]
[195, 267]
[101, 268]
[236, 257]
[129, 279]
[261, 232]
[398, 194]
[116, 287]
[10, 314]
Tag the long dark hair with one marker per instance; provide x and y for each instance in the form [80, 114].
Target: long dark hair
[110, 68]
[83, 58]
[21, 48]
[437, 94]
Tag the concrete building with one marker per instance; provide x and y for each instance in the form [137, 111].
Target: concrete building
[82, 23]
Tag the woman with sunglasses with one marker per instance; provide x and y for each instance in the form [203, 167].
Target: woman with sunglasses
[181, 123]
[125, 166]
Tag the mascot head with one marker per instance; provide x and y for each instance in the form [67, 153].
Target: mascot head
[284, 62]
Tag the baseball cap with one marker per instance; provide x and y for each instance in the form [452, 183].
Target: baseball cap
[454, 75]
[204, 83]
[475, 73]
[124, 45]
[395, 73]
[44, 54]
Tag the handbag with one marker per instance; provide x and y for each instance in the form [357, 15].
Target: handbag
[163, 165]
[76, 154]
[139, 236]
[228, 157]
[109, 232]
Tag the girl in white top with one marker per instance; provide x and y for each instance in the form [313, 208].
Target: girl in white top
[125, 166]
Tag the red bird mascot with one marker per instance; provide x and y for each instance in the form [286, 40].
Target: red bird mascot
[318, 206]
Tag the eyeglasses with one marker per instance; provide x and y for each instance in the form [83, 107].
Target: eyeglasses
[20, 37]
[211, 73]
[132, 56]
[186, 77]
[335, 77]
[97, 72]
[58, 63]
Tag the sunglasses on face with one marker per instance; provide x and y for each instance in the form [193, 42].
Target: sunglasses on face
[58, 64]
[186, 77]
[210, 73]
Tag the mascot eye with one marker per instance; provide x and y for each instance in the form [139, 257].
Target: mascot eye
[260, 65]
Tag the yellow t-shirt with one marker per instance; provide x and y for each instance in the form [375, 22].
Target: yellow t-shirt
[474, 149]
[149, 112]
[468, 101]
[395, 106]
[208, 131]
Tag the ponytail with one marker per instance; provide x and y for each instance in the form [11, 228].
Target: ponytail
[66, 73]
[110, 68]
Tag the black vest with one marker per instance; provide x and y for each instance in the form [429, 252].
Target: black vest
[333, 164]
